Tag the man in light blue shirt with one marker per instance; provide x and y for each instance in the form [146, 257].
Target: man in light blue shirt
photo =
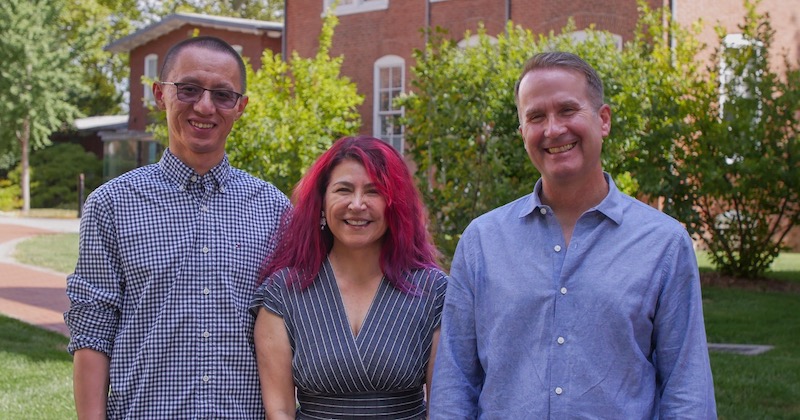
[576, 301]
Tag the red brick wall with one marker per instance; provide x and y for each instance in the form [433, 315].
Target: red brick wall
[362, 38]
[252, 47]
[784, 18]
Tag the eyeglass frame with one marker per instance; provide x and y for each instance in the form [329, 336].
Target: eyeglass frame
[178, 85]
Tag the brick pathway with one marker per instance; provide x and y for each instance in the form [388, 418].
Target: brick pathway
[31, 294]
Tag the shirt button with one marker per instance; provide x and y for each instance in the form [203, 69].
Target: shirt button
[205, 250]
[563, 290]
[560, 340]
[222, 189]
[206, 291]
[194, 178]
[559, 391]
[204, 208]
[557, 248]
[206, 334]
[205, 378]
[182, 188]
[542, 210]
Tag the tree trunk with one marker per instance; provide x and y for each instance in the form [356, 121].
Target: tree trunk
[24, 140]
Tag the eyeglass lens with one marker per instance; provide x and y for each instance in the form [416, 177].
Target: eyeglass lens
[190, 93]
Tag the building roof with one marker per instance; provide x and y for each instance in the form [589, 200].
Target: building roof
[102, 122]
[175, 21]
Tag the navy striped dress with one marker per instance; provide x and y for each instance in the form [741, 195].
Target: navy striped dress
[379, 373]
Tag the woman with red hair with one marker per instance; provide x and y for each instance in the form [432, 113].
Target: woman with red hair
[348, 318]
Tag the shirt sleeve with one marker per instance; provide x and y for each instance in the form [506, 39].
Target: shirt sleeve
[270, 296]
[95, 288]
[681, 352]
[440, 288]
[458, 375]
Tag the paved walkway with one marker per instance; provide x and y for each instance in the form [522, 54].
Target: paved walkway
[31, 294]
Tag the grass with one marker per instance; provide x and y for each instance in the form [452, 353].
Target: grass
[35, 371]
[57, 252]
[765, 386]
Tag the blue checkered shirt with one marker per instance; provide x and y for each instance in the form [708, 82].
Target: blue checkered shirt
[168, 263]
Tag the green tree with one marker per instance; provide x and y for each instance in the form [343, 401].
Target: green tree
[88, 27]
[745, 165]
[296, 111]
[36, 68]
[271, 10]
[654, 96]
[464, 135]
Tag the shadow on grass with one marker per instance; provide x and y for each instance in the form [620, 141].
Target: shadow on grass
[33, 343]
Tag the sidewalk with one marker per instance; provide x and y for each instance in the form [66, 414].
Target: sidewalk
[31, 294]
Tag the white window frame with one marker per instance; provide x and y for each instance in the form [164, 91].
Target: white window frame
[731, 41]
[394, 63]
[150, 73]
[355, 6]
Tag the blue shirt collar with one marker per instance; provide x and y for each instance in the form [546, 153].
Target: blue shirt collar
[611, 206]
[181, 175]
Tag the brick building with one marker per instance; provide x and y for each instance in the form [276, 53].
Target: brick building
[377, 37]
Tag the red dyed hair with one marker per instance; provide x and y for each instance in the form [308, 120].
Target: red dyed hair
[407, 244]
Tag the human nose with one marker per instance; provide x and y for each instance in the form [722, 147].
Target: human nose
[554, 127]
[204, 103]
[358, 202]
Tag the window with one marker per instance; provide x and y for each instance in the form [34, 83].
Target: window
[389, 79]
[738, 71]
[150, 74]
[347, 7]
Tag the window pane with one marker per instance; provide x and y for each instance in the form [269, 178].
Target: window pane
[385, 75]
[397, 78]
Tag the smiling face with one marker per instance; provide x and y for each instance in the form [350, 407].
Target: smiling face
[197, 132]
[353, 208]
[561, 129]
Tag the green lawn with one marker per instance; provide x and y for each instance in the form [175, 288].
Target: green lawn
[57, 252]
[765, 386]
[35, 370]
[35, 373]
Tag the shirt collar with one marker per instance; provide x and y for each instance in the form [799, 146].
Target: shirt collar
[182, 175]
[611, 206]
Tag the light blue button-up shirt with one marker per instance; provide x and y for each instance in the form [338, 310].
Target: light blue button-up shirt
[607, 327]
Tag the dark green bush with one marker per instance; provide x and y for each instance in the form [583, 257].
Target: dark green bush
[54, 175]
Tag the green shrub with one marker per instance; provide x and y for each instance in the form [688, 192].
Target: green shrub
[54, 175]
[10, 192]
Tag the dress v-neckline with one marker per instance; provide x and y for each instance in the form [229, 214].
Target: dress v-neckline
[345, 318]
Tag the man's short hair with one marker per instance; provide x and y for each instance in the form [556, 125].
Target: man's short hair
[569, 61]
[205, 42]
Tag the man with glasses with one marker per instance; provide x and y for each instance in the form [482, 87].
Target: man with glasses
[169, 259]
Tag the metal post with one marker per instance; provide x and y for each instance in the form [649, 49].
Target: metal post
[80, 194]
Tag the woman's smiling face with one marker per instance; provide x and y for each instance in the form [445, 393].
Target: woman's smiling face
[354, 208]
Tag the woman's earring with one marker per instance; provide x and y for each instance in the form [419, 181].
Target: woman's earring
[322, 221]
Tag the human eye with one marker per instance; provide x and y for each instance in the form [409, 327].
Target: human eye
[223, 95]
[535, 118]
[188, 89]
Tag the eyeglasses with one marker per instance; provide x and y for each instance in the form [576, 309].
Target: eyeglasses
[191, 93]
